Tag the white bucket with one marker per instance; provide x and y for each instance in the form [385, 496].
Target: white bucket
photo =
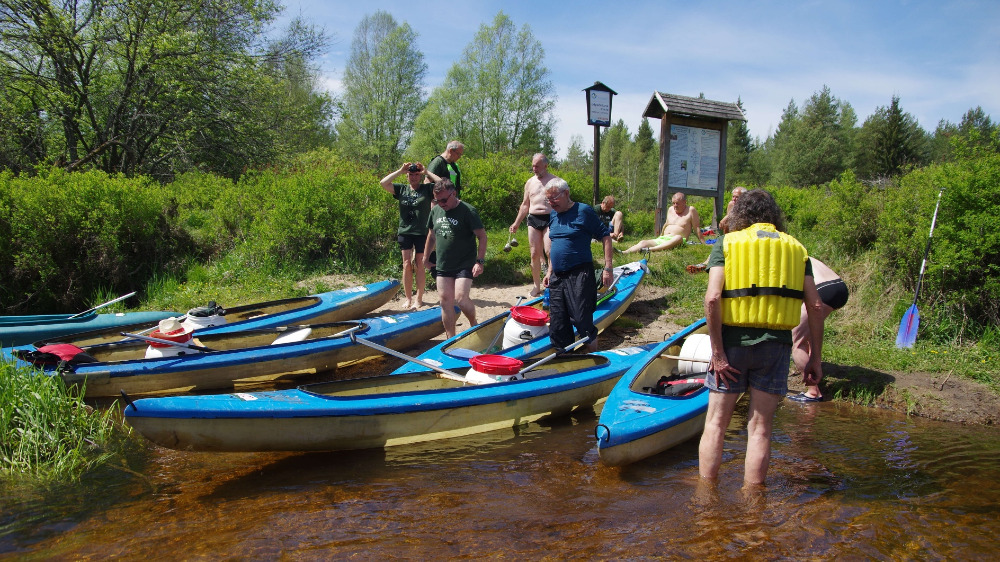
[170, 351]
[198, 322]
[488, 369]
[525, 323]
[696, 346]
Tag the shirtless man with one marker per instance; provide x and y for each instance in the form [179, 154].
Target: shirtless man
[682, 222]
[536, 208]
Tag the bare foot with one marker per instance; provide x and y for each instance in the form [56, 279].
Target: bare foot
[408, 305]
[535, 291]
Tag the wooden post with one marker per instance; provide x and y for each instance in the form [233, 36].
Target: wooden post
[597, 165]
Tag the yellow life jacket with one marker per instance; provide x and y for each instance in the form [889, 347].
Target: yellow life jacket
[765, 270]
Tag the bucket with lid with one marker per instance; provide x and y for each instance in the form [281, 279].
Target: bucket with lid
[525, 323]
[205, 317]
[487, 369]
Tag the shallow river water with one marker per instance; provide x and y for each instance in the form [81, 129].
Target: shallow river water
[845, 482]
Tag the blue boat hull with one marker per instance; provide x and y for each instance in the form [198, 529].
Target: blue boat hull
[636, 423]
[454, 352]
[377, 412]
[331, 306]
[245, 357]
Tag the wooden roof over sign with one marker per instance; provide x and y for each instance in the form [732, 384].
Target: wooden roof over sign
[662, 103]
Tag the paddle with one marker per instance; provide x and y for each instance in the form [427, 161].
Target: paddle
[907, 334]
[166, 342]
[89, 310]
[444, 372]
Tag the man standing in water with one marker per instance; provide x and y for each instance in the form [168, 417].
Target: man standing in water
[536, 208]
[453, 230]
[755, 263]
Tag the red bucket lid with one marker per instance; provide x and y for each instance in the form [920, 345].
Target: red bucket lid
[496, 364]
[180, 337]
[529, 315]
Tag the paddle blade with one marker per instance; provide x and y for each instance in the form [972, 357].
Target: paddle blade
[907, 335]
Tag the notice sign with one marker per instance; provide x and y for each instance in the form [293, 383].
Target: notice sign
[694, 158]
[600, 108]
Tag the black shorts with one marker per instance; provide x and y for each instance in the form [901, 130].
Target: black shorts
[408, 241]
[457, 274]
[539, 222]
[833, 293]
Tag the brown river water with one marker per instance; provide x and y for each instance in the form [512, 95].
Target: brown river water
[845, 483]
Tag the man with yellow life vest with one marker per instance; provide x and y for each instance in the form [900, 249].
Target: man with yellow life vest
[758, 278]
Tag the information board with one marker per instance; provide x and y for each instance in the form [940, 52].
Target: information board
[694, 158]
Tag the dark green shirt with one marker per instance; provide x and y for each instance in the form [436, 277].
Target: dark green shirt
[454, 236]
[414, 208]
[446, 171]
[736, 336]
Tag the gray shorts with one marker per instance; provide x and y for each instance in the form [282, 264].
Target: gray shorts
[763, 366]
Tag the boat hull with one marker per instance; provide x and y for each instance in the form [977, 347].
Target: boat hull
[250, 356]
[636, 424]
[321, 308]
[376, 412]
[22, 330]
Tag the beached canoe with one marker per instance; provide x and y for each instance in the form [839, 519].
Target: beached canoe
[22, 330]
[257, 355]
[378, 412]
[489, 337]
[321, 308]
[643, 415]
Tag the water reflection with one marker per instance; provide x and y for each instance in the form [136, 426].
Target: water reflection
[844, 482]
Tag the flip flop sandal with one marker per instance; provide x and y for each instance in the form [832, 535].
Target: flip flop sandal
[803, 397]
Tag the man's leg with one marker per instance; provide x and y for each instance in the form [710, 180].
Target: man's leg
[762, 408]
[536, 244]
[720, 412]
[421, 279]
[446, 290]
[617, 229]
[408, 276]
[465, 303]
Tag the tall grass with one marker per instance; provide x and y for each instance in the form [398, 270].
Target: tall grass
[47, 433]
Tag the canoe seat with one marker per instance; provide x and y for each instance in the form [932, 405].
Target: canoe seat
[535, 373]
[292, 337]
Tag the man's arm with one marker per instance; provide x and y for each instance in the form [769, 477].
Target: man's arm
[813, 372]
[429, 247]
[431, 175]
[478, 268]
[522, 211]
[713, 319]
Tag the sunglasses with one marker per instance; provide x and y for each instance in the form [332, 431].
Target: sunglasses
[444, 200]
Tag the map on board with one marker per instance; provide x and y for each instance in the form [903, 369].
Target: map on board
[694, 158]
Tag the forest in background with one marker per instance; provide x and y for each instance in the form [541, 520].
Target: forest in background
[140, 139]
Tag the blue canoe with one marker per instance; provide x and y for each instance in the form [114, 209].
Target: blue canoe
[331, 306]
[377, 412]
[487, 337]
[637, 422]
[249, 356]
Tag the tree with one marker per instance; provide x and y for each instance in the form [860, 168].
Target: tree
[889, 142]
[149, 87]
[739, 148]
[814, 146]
[577, 157]
[383, 91]
[498, 98]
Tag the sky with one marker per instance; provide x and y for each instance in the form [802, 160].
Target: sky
[941, 58]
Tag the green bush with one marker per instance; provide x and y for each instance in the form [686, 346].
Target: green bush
[71, 235]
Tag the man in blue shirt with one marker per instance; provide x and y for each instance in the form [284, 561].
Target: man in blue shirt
[570, 277]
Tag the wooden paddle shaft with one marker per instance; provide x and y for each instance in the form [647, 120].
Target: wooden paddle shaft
[691, 359]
